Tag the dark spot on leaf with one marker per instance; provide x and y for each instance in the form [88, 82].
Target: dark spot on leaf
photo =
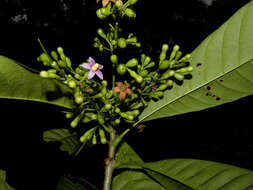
[218, 98]
[221, 80]
[207, 94]
[208, 88]
[198, 64]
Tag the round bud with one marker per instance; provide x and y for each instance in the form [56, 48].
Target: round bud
[72, 84]
[60, 50]
[122, 43]
[44, 74]
[101, 33]
[108, 106]
[93, 116]
[69, 115]
[117, 121]
[100, 15]
[114, 59]
[165, 47]
[104, 83]
[79, 99]
[121, 69]
[118, 3]
[136, 112]
[117, 110]
[139, 79]
[187, 56]
[176, 48]
[114, 42]
[130, 13]
[105, 11]
[130, 117]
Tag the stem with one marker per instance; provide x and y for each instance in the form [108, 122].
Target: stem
[110, 166]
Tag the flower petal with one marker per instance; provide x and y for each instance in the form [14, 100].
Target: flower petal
[122, 95]
[91, 74]
[86, 66]
[129, 91]
[99, 74]
[92, 61]
[100, 67]
[116, 89]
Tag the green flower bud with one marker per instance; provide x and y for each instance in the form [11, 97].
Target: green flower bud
[44, 74]
[132, 2]
[136, 105]
[178, 55]
[101, 33]
[69, 115]
[87, 135]
[94, 139]
[104, 83]
[102, 136]
[75, 122]
[174, 52]
[60, 50]
[68, 61]
[108, 106]
[137, 44]
[130, 13]
[54, 55]
[185, 58]
[179, 76]
[100, 15]
[117, 110]
[114, 42]
[86, 120]
[158, 94]
[52, 71]
[132, 40]
[167, 74]
[72, 84]
[117, 121]
[132, 62]
[164, 64]
[147, 60]
[62, 63]
[121, 69]
[137, 77]
[44, 58]
[143, 73]
[114, 59]
[122, 43]
[152, 64]
[118, 3]
[165, 47]
[101, 119]
[105, 11]
[185, 69]
[79, 99]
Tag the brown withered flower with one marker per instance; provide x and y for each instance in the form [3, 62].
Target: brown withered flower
[106, 2]
[122, 89]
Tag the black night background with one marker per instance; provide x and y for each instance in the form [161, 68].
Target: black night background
[222, 134]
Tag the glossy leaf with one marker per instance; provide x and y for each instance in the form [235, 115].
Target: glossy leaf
[179, 174]
[133, 177]
[188, 174]
[20, 82]
[69, 142]
[223, 70]
[3, 184]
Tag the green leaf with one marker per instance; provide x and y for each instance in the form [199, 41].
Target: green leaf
[189, 174]
[223, 70]
[20, 82]
[70, 142]
[3, 184]
[178, 174]
[72, 183]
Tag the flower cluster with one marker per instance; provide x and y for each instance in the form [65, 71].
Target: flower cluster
[133, 85]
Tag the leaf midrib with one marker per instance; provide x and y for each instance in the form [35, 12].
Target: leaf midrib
[198, 87]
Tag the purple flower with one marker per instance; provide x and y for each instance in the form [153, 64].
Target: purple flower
[94, 68]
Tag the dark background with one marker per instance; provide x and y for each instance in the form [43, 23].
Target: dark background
[222, 134]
